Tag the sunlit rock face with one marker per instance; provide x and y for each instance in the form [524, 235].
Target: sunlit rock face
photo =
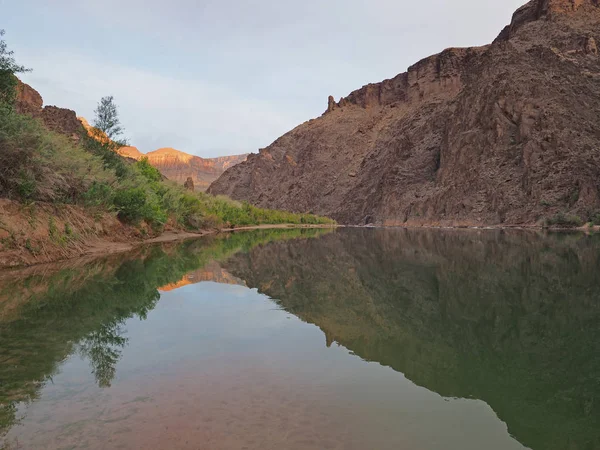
[178, 166]
[210, 272]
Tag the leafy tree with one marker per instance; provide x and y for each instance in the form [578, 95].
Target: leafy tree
[8, 69]
[107, 119]
[149, 172]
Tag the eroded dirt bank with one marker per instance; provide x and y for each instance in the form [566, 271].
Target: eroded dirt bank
[42, 233]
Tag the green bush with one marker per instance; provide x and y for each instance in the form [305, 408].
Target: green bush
[565, 221]
[236, 214]
[26, 186]
[99, 194]
[149, 172]
[108, 155]
[136, 204]
[130, 204]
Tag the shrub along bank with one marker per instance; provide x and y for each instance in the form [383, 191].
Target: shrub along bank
[39, 165]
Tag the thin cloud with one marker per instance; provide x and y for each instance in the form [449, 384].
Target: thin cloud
[212, 76]
[160, 111]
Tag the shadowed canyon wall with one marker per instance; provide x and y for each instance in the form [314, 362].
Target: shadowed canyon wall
[502, 134]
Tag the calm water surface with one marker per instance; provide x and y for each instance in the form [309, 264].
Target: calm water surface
[350, 339]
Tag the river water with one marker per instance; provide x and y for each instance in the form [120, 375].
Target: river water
[361, 339]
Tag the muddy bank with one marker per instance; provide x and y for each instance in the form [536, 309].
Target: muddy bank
[42, 233]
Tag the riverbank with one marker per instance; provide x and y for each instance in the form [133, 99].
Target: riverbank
[42, 233]
[106, 248]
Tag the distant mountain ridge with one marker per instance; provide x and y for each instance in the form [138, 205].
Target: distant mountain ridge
[178, 166]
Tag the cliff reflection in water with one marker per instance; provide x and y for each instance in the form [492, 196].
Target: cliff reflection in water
[509, 318]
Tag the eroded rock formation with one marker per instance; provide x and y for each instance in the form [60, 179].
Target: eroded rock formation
[502, 134]
[61, 120]
[189, 184]
[179, 166]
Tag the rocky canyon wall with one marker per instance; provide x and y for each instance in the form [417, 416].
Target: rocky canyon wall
[505, 134]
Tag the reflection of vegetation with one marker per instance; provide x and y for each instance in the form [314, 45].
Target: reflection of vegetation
[103, 349]
[83, 309]
[511, 319]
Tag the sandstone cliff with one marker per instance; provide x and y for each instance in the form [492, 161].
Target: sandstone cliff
[502, 134]
[179, 166]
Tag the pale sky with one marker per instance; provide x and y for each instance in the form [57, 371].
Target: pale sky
[219, 77]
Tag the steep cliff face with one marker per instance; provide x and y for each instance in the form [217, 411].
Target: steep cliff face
[502, 134]
[179, 166]
[60, 120]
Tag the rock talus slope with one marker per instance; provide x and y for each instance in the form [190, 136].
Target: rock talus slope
[507, 133]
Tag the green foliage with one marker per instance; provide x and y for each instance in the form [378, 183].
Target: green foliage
[39, 165]
[8, 69]
[149, 172]
[146, 197]
[564, 221]
[99, 195]
[136, 204]
[107, 152]
[131, 203]
[26, 185]
[236, 214]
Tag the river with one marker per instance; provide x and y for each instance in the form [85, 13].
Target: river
[358, 339]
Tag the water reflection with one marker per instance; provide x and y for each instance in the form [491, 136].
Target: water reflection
[510, 318]
[48, 314]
